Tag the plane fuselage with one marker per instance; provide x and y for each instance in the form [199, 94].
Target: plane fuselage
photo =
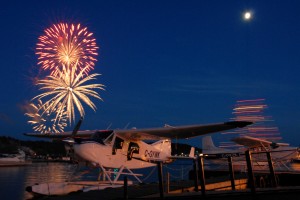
[119, 152]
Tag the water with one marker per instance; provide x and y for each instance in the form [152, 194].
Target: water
[14, 180]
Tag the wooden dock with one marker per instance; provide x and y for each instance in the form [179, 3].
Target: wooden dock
[151, 191]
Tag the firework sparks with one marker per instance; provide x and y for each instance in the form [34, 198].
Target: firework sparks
[64, 44]
[68, 89]
[45, 120]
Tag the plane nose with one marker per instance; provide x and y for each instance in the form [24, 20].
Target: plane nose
[83, 152]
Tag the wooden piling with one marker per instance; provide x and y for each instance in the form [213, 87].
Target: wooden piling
[201, 175]
[250, 172]
[168, 182]
[272, 172]
[196, 180]
[231, 172]
[160, 179]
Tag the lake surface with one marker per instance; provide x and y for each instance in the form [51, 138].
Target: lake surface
[14, 180]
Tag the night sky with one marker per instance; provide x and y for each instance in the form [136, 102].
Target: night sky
[163, 62]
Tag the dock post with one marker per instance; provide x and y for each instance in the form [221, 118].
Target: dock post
[231, 172]
[168, 183]
[160, 179]
[250, 172]
[272, 172]
[196, 180]
[201, 174]
[125, 187]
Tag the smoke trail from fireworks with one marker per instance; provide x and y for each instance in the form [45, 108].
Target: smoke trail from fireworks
[68, 89]
[64, 44]
[45, 120]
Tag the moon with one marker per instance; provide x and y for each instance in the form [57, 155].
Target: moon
[247, 15]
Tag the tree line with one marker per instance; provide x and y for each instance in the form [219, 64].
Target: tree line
[11, 145]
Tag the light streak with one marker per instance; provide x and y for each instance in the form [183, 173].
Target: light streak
[253, 110]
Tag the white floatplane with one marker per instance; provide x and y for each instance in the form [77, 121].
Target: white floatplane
[282, 153]
[127, 149]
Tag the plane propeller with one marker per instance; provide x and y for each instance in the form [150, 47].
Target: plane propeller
[76, 128]
[70, 140]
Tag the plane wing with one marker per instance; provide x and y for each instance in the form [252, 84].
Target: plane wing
[63, 135]
[179, 132]
[252, 142]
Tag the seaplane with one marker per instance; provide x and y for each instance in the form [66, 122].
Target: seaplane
[127, 149]
[282, 153]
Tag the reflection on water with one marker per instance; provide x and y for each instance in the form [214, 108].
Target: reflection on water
[14, 180]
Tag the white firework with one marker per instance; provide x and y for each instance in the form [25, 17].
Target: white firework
[69, 89]
[46, 120]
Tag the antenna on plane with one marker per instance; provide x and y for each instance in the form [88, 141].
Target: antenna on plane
[127, 125]
[109, 126]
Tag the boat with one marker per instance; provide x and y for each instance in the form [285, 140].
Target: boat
[13, 159]
[64, 188]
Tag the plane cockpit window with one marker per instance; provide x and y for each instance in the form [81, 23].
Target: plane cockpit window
[101, 136]
[109, 139]
[118, 143]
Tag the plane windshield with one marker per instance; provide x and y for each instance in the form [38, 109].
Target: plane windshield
[102, 136]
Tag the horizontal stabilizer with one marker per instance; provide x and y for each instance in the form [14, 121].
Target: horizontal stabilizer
[252, 142]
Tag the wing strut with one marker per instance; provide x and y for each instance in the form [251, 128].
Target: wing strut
[107, 174]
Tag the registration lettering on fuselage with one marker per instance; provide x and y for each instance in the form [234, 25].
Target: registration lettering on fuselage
[152, 154]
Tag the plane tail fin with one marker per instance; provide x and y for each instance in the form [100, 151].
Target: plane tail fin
[208, 146]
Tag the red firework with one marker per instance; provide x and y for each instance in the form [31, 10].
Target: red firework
[64, 44]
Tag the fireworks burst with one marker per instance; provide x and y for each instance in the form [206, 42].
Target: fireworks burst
[45, 120]
[64, 44]
[68, 89]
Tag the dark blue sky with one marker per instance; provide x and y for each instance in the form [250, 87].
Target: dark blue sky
[163, 62]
